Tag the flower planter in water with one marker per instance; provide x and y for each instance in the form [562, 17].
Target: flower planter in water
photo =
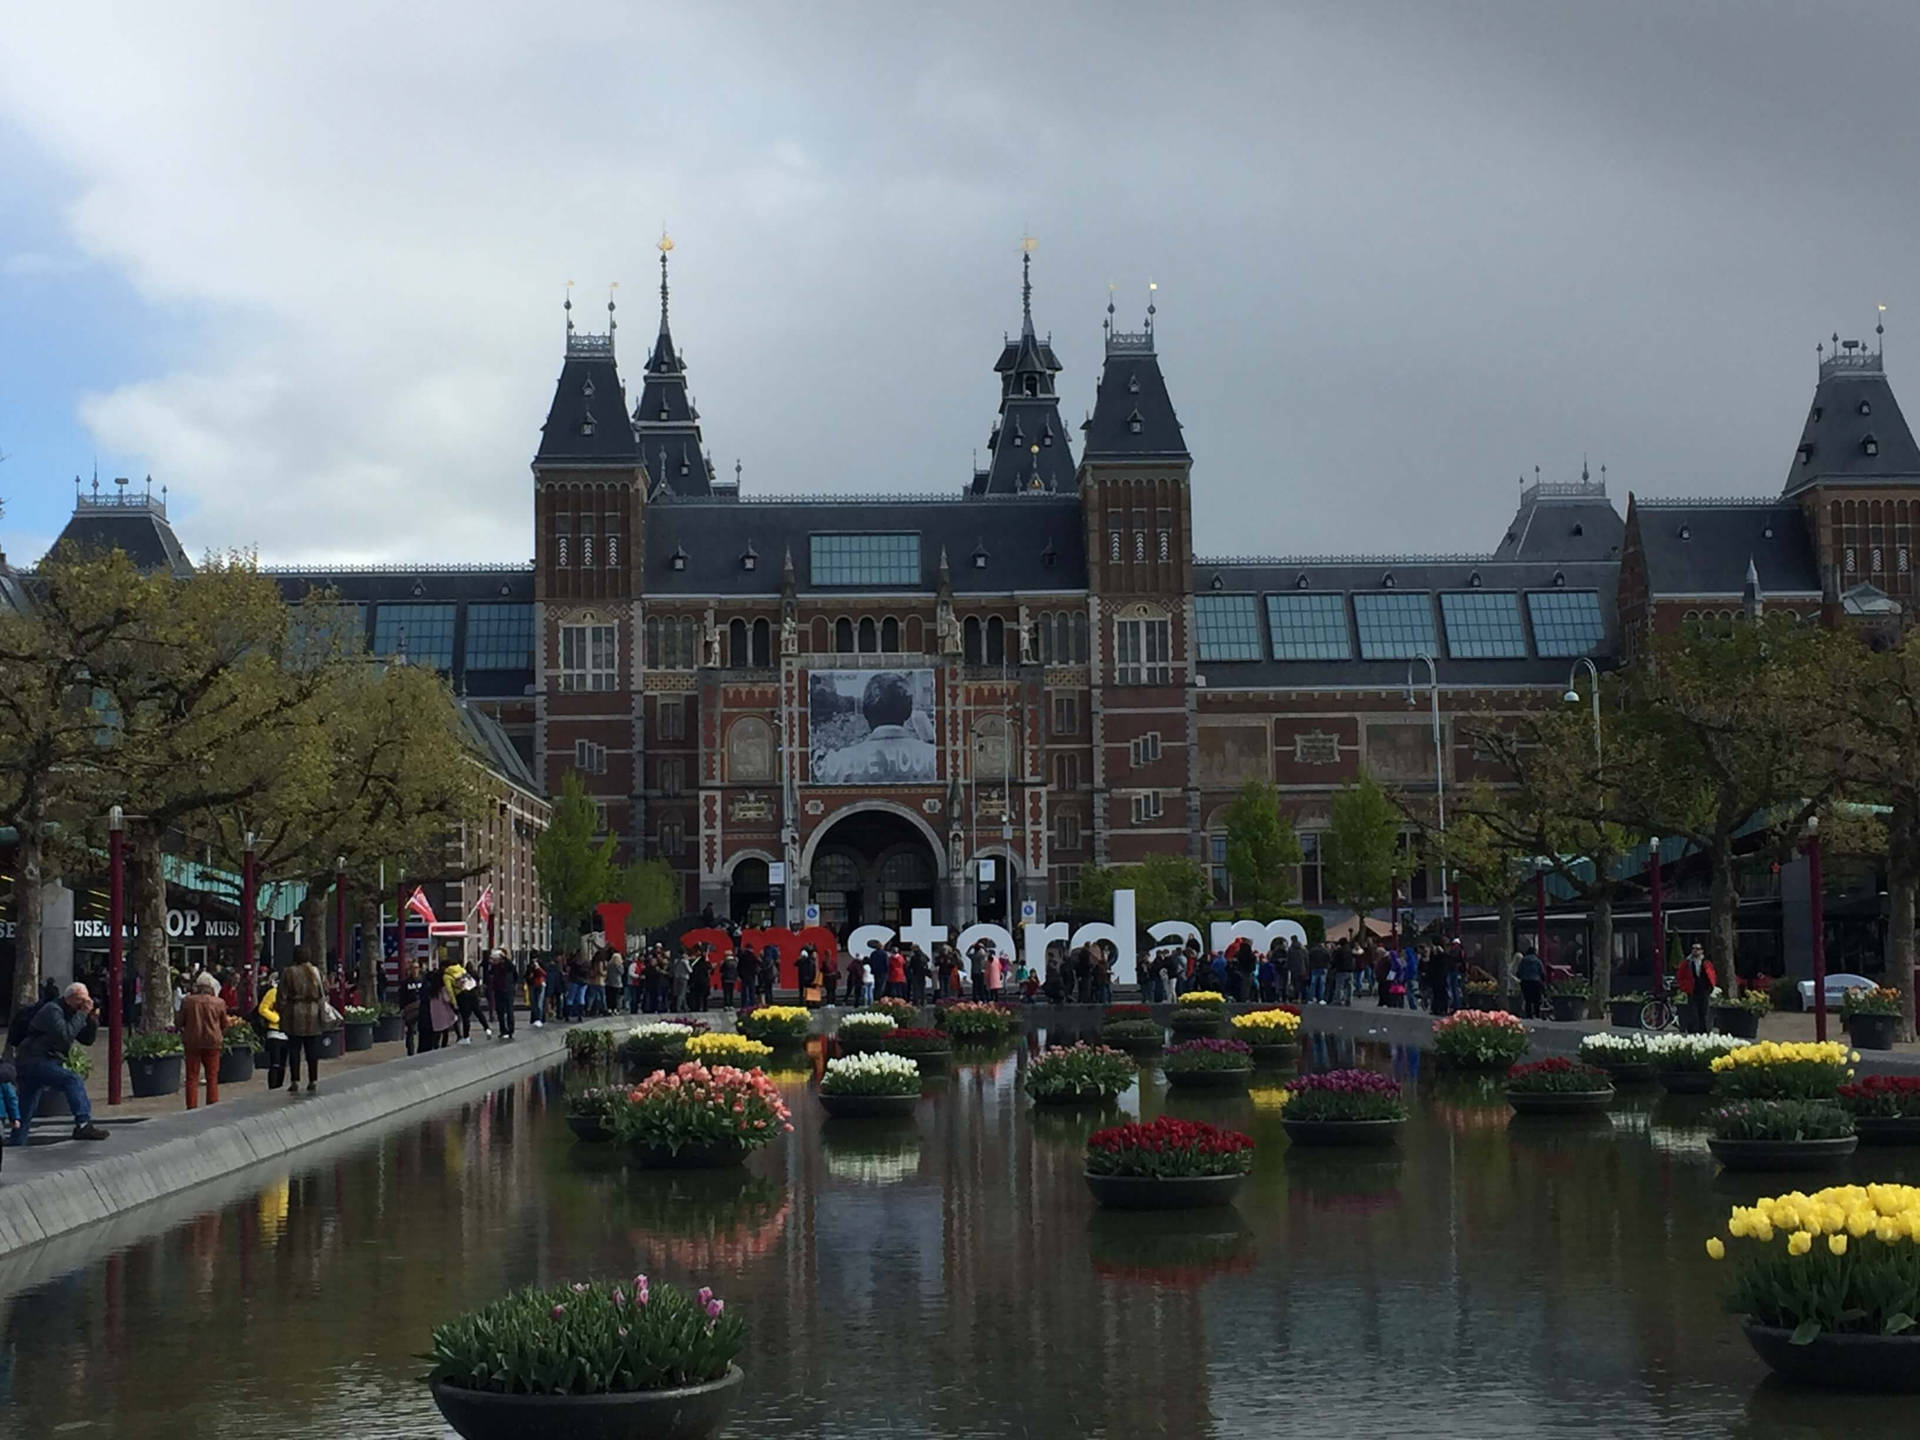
[1872, 1032]
[236, 1066]
[1567, 1007]
[1883, 1363]
[1887, 1129]
[1136, 1045]
[1735, 1020]
[1153, 1192]
[1628, 1072]
[1068, 1099]
[590, 1128]
[1687, 1082]
[1342, 1132]
[931, 1062]
[359, 1034]
[867, 1107]
[1282, 1054]
[1210, 1079]
[389, 1028]
[1559, 1102]
[156, 1074]
[1783, 1154]
[692, 1413]
[691, 1157]
[1198, 1025]
[1624, 1014]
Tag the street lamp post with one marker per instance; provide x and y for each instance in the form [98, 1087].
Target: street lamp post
[247, 957]
[1659, 937]
[116, 947]
[1439, 753]
[1572, 697]
[1819, 930]
[340, 912]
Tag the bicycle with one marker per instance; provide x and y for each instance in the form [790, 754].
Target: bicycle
[1657, 1014]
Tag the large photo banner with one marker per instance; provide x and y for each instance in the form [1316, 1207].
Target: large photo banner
[871, 727]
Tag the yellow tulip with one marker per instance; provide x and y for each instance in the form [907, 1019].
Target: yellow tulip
[1837, 1244]
[1799, 1243]
[1715, 1249]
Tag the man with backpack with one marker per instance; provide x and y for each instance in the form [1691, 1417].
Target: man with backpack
[40, 1039]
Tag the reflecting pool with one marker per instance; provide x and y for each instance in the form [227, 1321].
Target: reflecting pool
[948, 1276]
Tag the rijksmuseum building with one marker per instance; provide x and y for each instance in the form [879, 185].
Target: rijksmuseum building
[956, 701]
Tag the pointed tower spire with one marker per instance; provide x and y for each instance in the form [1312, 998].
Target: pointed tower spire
[1027, 246]
[669, 426]
[665, 246]
[1750, 597]
[1029, 407]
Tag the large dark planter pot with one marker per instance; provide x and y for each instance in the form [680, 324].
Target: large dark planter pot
[1778, 1155]
[1148, 1192]
[867, 1107]
[156, 1075]
[1632, 1072]
[1624, 1014]
[588, 1127]
[1136, 1045]
[1872, 1032]
[1687, 1082]
[236, 1066]
[1342, 1132]
[690, 1157]
[1733, 1020]
[931, 1062]
[1210, 1079]
[1567, 1007]
[389, 1028]
[1275, 1054]
[358, 1034]
[329, 1044]
[1887, 1364]
[1197, 1024]
[1887, 1129]
[690, 1414]
[1559, 1102]
[1074, 1099]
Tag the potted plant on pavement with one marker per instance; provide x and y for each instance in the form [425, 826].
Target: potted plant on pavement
[972, 1022]
[1079, 1075]
[239, 1043]
[1684, 1063]
[1623, 1011]
[870, 1085]
[1885, 1109]
[358, 1022]
[1740, 1015]
[1871, 1016]
[1567, 999]
[776, 1025]
[695, 1117]
[1624, 1057]
[590, 1111]
[1208, 1065]
[1781, 1135]
[1479, 1040]
[1343, 1107]
[1272, 1034]
[590, 1048]
[932, 1049]
[155, 1062]
[1166, 1164]
[1827, 1285]
[389, 1027]
[1558, 1086]
[597, 1360]
[1199, 1013]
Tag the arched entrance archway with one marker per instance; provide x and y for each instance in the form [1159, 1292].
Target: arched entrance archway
[873, 865]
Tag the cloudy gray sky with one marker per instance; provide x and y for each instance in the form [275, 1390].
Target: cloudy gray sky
[305, 264]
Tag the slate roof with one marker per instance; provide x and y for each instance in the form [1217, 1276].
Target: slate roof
[489, 741]
[13, 590]
[1133, 416]
[131, 523]
[1411, 574]
[1701, 547]
[1573, 521]
[1855, 433]
[587, 423]
[1026, 542]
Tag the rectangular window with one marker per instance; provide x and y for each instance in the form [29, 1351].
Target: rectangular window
[865, 559]
[589, 757]
[1217, 858]
[672, 776]
[1147, 806]
[671, 719]
[1566, 623]
[1228, 627]
[499, 637]
[1066, 715]
[424, 632]
[600, 820]
[1312, 887]
[1395, 626]
[1483, 625]
[1066, 771]
[1309, 627]
[587, 659]
[1146, 749]
[1066, 878]
[1066, 831]
[673, 837]
[1142, 652]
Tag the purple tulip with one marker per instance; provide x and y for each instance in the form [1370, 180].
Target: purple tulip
[714, 1307]
[557, 1312]
[706, 1294]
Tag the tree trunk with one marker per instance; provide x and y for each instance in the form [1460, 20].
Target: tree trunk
[371, 949]
[147, 877]
[29, 858]
[313, 927]
[1602, 951]
[1723, 935]
[1901, 884]
[1503, 947]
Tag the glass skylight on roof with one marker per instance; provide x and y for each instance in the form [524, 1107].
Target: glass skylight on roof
[1395, 626]
[1309, 627]
[1229, 627]
[1566, 623]
[864, 559]
[426, 629]
[499, 637]
[1483, 625]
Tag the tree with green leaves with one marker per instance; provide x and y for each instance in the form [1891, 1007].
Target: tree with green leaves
[1165, 887]
[654, 890]
[1262, 849]
[1361, 847]
[576, 871]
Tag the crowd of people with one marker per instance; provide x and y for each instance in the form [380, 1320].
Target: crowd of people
[1411, 974]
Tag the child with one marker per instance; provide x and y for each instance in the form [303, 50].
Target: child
[9, 1098]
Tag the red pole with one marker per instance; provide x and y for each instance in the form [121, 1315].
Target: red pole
[1394, 915]
[116, 949]
[247, 956]
[1659, 929]
[340, 915]
[1540, 913]
[1819, 938]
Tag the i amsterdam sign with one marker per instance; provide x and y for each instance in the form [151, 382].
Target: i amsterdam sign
[184, 925]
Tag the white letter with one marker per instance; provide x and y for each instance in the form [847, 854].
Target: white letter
[858, 941]
[1225, 933]
[1121, 932]
[923, 932]
[1173, 931]
[1038, 938]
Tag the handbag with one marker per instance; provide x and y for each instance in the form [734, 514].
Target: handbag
[330, 1018]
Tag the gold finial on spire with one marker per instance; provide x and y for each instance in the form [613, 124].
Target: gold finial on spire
[666, 242]
[1029, 244]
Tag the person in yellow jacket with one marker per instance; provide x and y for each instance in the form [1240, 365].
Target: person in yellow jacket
[267, 1016]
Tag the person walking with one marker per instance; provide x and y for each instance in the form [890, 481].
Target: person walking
[502, 981]
[830, 977]
[805, 971]
[537, 992]
[897, 973]
[678, 974]
[203, 1026]
[749, 968]
[729, 978]
[1319, 961]
[699, 982]
[1531, 972]
[1696, 982]
[40, 1060]
[303, 1003]
[996, 974]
